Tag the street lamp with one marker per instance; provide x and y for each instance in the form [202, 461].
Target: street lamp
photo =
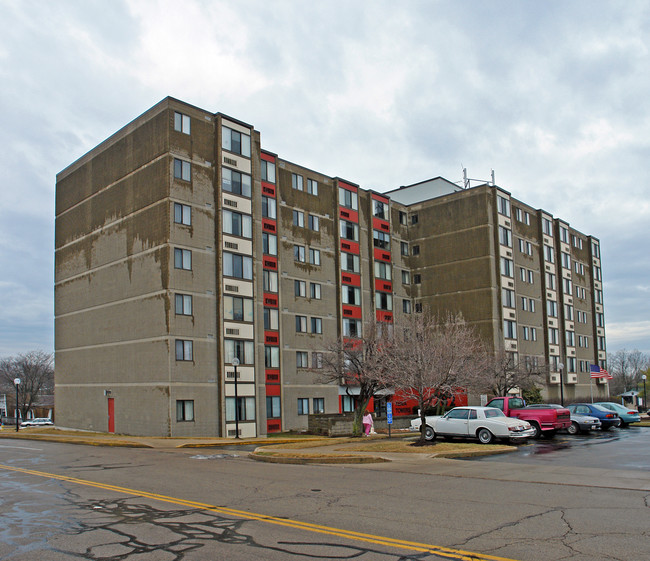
[235, 363]
[645, 403]
[561, 367]
[16, 383]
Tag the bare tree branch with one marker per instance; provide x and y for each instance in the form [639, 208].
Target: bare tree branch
[36, 372]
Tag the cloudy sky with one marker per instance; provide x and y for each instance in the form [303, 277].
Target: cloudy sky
[554, 96]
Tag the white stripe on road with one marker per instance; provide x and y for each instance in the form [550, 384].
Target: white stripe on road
[20, 447]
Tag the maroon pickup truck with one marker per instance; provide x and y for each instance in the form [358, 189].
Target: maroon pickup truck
[545, 421]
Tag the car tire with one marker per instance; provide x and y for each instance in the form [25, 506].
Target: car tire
[485, 436]
[623, 425]
[429, 434]
[537, 429]
[574, 428]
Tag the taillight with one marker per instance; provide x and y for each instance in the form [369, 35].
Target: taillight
[609, 416]
[633, 412]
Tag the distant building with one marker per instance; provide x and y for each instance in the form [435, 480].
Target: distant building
[182, 244]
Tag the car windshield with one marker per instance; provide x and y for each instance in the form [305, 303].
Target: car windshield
[601, 408]
[493, 413]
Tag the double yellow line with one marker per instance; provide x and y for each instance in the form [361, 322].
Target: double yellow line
[455, 554]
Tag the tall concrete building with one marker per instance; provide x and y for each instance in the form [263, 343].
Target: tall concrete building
[182, 244]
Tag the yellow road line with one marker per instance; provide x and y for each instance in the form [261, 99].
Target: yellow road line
[455, 554]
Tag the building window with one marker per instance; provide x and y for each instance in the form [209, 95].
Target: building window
[184, 410]
[348, 199]
[406, 306]
[314, 223]
[301, 324]
[417, 278]
[238, 266]
[503, 206]
[550, 281]
[531, 305]
[181, 123]
[299, 253]
[296, 182]
[567, 286]
[271, 357]
[239, 348]
[184, 349]
[237, 224]
[568, 312]
[403, 218]
[597, 274]
[267, 171]
[347, 403]
[564, 234]
[382, 270]
[182, 214]
[404, 248]
[509, 329]
[271, 316]
[547, 227]
[182, 259]
[571, 364]
[525, 333]
[314, 290]
[349, 231]
[418, 307]
[235, 182]
[182, 170]
[269, 244]
[235, 141]
[301, 359]
[303, 406]
[598, 296]
[505, 236]
[566, 260]
[270, 281]
[383, 301]
[380, 209]
[237, 309]
[508, 298]
[551, 308]
[300, 288]
[245, 409]
[548, 254]
[299, 218]
[273, 407]
[317, 360]
[570, 338]
[268, 208]
[350, 262]
[406, 277]
[595, 250]
[314, 256]
[416, 250]
[312, 187]
[381, 239]
[351, 327]
[316, 325]
[351, 295]
[183, 304]
[507, 267]
[319, 404]
[600, 320]
[552, 336]
[414, 219]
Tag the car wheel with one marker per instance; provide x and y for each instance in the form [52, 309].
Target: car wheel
[537, 429]
[429, 433]
[485, 436]
[574, 428]
[623, 425]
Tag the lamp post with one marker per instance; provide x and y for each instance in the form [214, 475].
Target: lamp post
[17, 383]
[645, 403]
[561, 367]
[235, 363]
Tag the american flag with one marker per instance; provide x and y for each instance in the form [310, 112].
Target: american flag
[598, 372]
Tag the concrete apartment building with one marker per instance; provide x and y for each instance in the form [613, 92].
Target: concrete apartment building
[182, 244]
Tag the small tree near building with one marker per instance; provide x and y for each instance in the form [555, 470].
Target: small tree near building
[505, 372]
[359, 365]
[626, 367]
[36, 372]
[431, 356]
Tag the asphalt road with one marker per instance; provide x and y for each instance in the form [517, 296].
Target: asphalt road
[61, 502]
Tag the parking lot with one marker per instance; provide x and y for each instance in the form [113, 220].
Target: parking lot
[625, 449]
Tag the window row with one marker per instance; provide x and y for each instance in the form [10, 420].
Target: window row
[300, 289]
[235, 141]
[300, 253]
[318, 405]
[313, 222]
[302, 360]
[316, 325]
[297, 183]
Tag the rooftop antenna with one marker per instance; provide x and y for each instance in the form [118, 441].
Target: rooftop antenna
[465, 179]
[493, 183]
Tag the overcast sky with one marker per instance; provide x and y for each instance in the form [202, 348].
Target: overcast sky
[554, 96]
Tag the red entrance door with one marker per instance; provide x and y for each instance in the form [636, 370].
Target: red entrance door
[111, 414]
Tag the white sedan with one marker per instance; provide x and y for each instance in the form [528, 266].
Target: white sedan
[484, 423]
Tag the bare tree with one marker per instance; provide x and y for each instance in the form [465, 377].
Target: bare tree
[626, 367]
[505, 373]
[358, 364]
[36, 372]
[433, 355]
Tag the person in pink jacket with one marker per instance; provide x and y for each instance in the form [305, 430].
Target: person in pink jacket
[367, 423]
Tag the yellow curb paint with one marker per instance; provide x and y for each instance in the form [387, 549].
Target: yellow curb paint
[454, 554]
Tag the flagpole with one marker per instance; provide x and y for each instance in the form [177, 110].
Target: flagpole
[591, 388]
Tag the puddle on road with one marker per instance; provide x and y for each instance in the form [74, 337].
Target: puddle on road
[213, 456]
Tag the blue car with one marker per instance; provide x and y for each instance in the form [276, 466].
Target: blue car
[608, 418]
[627, 415]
